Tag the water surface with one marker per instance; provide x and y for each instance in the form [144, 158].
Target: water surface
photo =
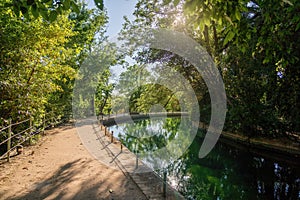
[227, 172]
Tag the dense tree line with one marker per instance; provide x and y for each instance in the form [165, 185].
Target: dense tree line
[40, 56]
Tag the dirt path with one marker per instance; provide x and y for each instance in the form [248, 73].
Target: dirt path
[59, 167]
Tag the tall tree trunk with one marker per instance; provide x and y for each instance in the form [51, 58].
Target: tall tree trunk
[215, 35]
[206, 39]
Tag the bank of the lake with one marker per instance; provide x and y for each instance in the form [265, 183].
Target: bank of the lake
[283, 145]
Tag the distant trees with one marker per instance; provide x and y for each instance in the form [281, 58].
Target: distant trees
[140, 91]
[103, 96]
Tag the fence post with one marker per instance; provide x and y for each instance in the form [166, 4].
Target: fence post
[52, 119]
[9, 140]
[44, 124]
[30, 130]
[137, 160]
[165, 183]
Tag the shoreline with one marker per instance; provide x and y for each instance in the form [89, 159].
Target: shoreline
[282, 146]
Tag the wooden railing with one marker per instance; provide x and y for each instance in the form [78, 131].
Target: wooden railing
[24, 135]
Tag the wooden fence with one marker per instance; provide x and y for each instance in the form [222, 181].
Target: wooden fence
[24, 135]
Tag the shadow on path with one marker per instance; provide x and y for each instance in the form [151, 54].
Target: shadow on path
[66, 184]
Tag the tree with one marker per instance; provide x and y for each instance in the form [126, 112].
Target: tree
[32, 58]
[39, 61]
[254, 44]
[103, 93]
[129, 86]
[89, 27]
[92, 80]
[48, 9]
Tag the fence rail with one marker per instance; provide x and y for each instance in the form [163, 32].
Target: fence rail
[25, 135]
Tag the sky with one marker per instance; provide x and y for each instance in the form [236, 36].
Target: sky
[116, 9]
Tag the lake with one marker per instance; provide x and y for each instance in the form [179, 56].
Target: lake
[227, 172]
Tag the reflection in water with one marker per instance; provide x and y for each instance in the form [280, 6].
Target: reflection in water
[158, 142]
[227, 172]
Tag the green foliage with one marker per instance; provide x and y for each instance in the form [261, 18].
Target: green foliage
[87, 23]
[92, 87]
[32, 58]
[39, 61]
[103, 93]
[99, 4]
[257, 77]
[255, 45]
[138, 89]
[48, 9]
[129, 88]
[153, 95]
